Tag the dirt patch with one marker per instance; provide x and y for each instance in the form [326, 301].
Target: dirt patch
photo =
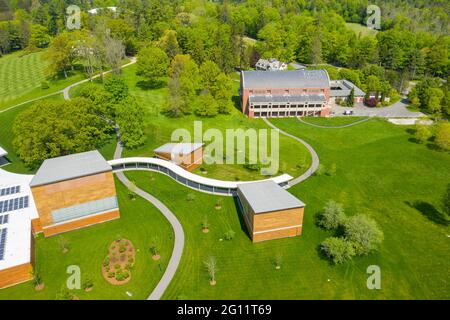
[117, 265]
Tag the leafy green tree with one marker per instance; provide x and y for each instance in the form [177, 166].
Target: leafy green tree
[169, 43]
[209, 71]
[183, 85]
[364, 234]
[423, 133]
[39, 37]
[223, 92]
[53, 128]
[101, 98]
[206, 105]
[60, 54]
[442, 137]
[130, 119]
[117, 88]
[351, 98]
[433, 100]
[333, 215]
[152, 64]
[337, 249]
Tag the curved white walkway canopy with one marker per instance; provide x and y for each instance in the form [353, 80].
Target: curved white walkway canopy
[185, 177]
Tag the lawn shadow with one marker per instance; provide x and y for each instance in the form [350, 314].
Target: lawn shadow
[236, 102]
[430, 212]
[150, 85]
[241, 217]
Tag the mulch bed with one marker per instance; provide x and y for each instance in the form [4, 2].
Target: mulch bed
[117, 265]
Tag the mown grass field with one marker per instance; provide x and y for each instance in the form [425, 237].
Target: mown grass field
[380, 172]
[294, 159]
[140, 222]
[362, 30]
[20, 74]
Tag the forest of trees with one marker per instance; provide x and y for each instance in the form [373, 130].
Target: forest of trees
[414, 43]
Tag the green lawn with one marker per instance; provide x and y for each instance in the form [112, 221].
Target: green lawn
[362, 30]
[334, 121]
[380, 173]
[140, 222]
[294, 159]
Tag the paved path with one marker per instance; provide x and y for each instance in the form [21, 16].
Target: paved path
[66, 90]
[176, 225]
[333, 127]
[397, 110]
[315, 157]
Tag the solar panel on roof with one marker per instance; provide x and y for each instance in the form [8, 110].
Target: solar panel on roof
[4, 219]
[9, 190]
[3, 233]
[14, 204]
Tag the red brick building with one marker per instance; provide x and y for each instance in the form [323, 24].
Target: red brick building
[298, 93]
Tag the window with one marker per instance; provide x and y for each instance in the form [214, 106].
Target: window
[9, 190]
[84, 209]
[14, 204]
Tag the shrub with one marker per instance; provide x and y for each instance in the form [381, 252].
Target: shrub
[117, 266]
[253, 166]
[122, 248]
[337, 249]
[443, 135]
[111, 274]
[190, 197]
[332, 170]
[333, 215]
[320, 170]
[44, 85]
[422, 133]
[229, 235]
[106, 261]
[364, 234]
[87, 284]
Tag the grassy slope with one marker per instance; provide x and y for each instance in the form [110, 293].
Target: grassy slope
[362, 30]
[293, 160]
[140, 222]
[378, 172]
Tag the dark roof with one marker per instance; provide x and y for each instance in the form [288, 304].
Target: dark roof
[345, 87]
[70, 167]
[267, 196]
[287, 98]
[286, 79]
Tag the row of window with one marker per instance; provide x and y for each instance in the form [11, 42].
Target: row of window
[292, 106]
[287, 114]
[9, 190]
[14, 204]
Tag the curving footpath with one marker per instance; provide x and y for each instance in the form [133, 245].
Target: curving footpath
[66, 90]
[176, 225]
[333, 127]
[178, 246]
[315, 158]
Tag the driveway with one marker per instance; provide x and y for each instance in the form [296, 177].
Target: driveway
[397, 110]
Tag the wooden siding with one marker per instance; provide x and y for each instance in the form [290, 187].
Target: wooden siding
[16, 275]
[80, 223]
[188, 162]
[69, 193]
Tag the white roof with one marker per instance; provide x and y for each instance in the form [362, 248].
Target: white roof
[267, 196]
[70, 167]
[18, 239]
[3, 152]
[193, 177]
[179, 148]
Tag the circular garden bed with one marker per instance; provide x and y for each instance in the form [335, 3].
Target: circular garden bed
[117, 265]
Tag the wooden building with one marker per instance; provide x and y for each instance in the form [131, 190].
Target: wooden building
[270, 212]
[186, 155]
[73, 192]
